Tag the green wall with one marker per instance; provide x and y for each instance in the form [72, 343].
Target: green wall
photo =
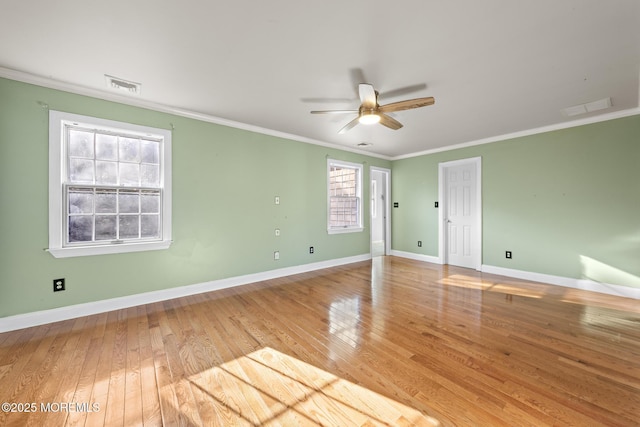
[566, 203]
[224, 216]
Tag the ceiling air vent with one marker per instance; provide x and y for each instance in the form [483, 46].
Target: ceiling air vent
[116, 83]
[601, 104]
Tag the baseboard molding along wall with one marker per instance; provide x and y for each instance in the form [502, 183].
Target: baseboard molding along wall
[567, 282]
[417, 257]
[20, 321]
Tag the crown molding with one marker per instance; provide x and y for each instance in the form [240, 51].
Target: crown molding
[105, 95]
[50, 83]
[558, 126]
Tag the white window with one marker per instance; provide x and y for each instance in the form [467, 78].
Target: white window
[109, 186]
[345, 196]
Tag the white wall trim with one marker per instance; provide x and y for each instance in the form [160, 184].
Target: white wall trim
[417, 257]
[544, 129]
[567, 282]
[33, 79]
[20, 321]
[37, 80]
[387, 207]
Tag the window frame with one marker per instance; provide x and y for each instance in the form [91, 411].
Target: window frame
[331, 229]
[58, 182]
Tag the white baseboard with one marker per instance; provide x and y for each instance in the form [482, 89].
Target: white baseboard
[20, 321]
[417, 257]
[567, 282]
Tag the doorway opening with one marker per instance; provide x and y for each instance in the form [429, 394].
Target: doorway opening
[380, 221]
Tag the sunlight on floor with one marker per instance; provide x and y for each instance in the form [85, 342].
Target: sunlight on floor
[462, 281]
[267, 387]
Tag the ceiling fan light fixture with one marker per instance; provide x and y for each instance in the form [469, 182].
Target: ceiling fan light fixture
[370, 112]
[369, 118]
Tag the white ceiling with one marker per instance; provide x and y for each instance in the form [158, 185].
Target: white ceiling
[495, 67]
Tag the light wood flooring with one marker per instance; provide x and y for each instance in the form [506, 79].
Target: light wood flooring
[386, 342]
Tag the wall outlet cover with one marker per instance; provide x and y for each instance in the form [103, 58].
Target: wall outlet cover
[58, 285]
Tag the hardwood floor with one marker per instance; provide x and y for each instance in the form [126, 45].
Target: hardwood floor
[386, 342]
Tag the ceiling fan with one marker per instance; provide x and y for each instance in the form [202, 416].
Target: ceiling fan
[370, 112]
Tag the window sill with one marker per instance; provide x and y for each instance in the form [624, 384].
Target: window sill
[345, 230]
[108, 249]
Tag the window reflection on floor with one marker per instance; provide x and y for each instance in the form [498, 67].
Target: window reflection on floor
[344, 317]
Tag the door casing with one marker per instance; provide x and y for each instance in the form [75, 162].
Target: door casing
[386, 207]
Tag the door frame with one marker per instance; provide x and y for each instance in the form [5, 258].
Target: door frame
[387, 209]
[442, 197]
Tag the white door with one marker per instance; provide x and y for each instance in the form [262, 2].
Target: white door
[378, 209]
[461, 223]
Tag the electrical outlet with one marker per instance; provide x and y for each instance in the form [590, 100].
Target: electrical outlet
[508, 255]
[436, 205]
[276, 255]
[311, 249]
[277, 200]
[58, 285]
[419, 243]
[277, 232]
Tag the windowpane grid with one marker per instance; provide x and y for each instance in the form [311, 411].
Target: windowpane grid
[96, 157]
[344, 197]
[98, 214]
[113, 189]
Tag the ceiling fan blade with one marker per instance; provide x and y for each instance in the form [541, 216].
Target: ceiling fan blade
[389, 122]
[403, 91]
[407, 105]
[350, 126]
[335, 112]
[367, 95]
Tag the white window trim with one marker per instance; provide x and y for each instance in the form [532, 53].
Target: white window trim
[359, 168]
[57, 120]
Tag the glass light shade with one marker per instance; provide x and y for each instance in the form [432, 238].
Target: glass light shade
[369, 118]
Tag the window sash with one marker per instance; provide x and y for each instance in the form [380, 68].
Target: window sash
[143, 216]
[145, 162]
[344, 210]
[125, 153]
[153, 162]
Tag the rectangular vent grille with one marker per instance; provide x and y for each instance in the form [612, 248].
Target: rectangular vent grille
[601, 104]
[116, 83]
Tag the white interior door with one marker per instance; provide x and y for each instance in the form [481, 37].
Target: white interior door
[461, 213]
